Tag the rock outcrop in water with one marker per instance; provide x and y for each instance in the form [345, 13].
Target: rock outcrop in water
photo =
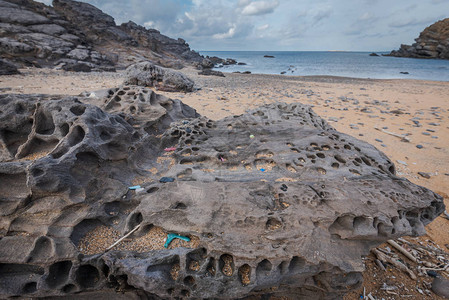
[82, 37]
[433, 42]
[274, 201]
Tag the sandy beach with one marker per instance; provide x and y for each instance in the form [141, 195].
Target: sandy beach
[408, 120]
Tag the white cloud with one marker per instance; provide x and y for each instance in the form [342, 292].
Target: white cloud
[263, 27]
[258, 8]
[229, 34]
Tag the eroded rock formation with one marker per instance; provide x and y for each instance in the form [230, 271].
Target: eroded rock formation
[275, 201]
[433, 42]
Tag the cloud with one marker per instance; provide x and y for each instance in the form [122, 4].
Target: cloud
[258, 8]
[263, 27]
[229, 34]
[411, 22]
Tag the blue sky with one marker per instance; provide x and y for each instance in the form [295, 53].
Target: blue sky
[295, 25]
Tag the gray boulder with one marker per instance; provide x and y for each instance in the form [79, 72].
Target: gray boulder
[7, 68]
[274, 202]
[209, 72]
[149, 74]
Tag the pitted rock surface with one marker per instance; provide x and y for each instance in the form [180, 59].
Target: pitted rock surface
[275, 201]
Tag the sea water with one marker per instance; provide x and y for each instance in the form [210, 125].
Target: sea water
[347, 64]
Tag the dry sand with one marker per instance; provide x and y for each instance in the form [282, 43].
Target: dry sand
[353, 106]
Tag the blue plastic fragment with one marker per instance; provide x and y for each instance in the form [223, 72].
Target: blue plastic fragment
[263, 170]
[166, 179]
[172, 236]
[134, 187]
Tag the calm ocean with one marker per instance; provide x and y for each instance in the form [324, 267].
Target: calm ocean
[348, 64]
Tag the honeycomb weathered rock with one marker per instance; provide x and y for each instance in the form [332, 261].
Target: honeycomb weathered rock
[275, 201]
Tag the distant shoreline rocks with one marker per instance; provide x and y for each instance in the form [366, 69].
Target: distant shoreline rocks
[268, 56]
[433, 42]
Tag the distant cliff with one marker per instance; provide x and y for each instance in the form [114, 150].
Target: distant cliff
[79, 36]
[433, 42]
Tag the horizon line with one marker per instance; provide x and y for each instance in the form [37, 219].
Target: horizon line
[293, 50]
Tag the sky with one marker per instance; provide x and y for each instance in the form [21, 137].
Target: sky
[282, 25]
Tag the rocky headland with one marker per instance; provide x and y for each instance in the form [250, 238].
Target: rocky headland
[77, 36]
[433, 42]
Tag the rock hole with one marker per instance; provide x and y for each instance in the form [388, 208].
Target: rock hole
[168, 269]
[43, 249]
[335, 165]
[366, 161]
[76, 136]
[178, 205]
[355, 172]
[189, 281]
[347, 147]
[78, 110]
[194, 259]
[29, 288]
[44, 123]
[152, 189]
[244, 273]
[64, 129]
[69, 288]
[211, 267]
[340, 159]
[392, 170]
[36, 172]
[58, 274]
[263, 268]
[82, 228]
[283, 267]
[105, 136]
[273, 224]
[296, 265]
[320, 155]
[87, 276]
[134, 220]
[226, 265]
[321, 171]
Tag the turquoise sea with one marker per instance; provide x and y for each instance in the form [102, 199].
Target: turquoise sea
[347, 64]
